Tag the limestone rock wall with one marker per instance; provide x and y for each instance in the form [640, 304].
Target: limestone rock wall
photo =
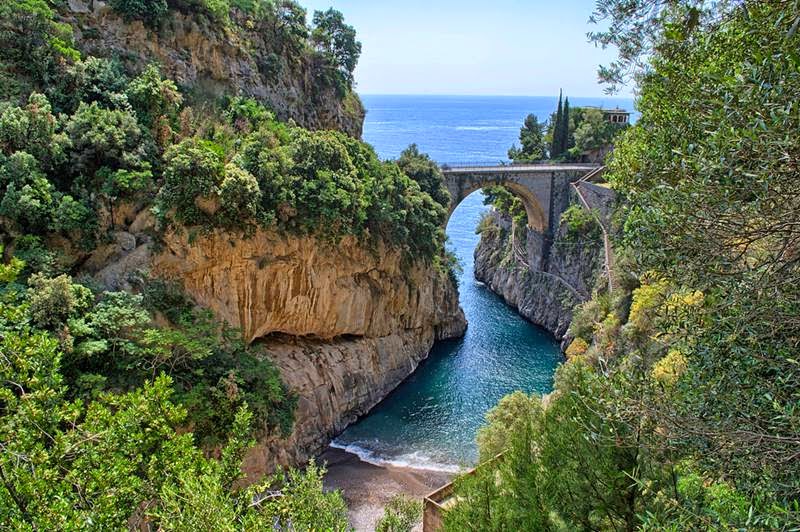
[211, 60]
[542, 282]
[270, 283]
[345, 325]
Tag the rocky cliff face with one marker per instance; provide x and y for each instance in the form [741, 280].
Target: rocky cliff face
[543, 282]
[345, 325]
[211, 60]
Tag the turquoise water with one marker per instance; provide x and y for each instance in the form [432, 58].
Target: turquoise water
[431, 419]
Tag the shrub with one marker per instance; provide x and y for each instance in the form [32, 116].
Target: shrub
[31, 205]
[32, 129]
[576, 348]
[108, 138]
[194, 170]
[422, 169]
[580, 223]
[240, 197]
[149, 11]
[73, 215]
[54, 301]
[399, 515]
[153, 96]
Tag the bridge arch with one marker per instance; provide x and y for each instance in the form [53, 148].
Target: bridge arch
[537, 219]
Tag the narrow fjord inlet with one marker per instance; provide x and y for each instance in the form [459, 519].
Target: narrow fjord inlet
[431, 419]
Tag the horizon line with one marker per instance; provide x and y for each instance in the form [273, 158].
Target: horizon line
[631, 97]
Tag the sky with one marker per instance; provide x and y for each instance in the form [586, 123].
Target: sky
[497, 47]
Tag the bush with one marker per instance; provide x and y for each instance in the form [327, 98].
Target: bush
[422, 169]
[400, 515]
[153, 97]
[32, 129]
[109, 138]
[240, 197]
[580, 223]
[30, 204]
[194, 169]
[149, 11]
[54, 301]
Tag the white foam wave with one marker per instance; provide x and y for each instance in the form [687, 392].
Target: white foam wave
[415, 460]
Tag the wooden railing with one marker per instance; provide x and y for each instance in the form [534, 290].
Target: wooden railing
[434, 505]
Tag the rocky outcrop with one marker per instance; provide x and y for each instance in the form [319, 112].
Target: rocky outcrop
[337, 381]
[543, 282]
[271, 283]
[344, 324]
[212, 60]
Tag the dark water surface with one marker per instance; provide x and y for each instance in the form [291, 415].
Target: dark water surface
[431, 419]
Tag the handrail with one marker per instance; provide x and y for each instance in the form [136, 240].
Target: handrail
[509, 164]
[608, 251]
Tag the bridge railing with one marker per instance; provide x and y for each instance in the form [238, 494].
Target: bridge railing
[487, 164]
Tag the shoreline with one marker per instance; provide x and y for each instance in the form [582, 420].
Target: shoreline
[367, 488]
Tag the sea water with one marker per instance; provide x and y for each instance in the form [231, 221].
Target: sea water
[431, 419]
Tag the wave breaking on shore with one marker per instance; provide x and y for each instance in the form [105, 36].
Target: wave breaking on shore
[414, 460]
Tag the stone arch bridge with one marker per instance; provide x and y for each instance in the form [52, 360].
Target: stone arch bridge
[543, 188]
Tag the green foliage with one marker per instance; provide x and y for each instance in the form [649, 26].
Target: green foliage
[557, 126]
[580, 223]
[710, 214]
[246, 114]
[63, 459]
[32, 129]
[149, 11]
[681, 412]
[104, 138]
[337, 43]
[152, 96]
[28, 198]
[193, 169]
[505, 201]
[568, 466]
[53, 301]
[531, 138]
[594, 131]
[327, 183]
[422, 169]
[35, 46]
[301, 503]
[400, 515]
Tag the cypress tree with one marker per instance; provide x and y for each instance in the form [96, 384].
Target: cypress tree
[565, 128]
[555, 146]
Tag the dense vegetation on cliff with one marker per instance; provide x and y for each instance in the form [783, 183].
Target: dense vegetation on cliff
[109, 399]
[678, 407]
[571, 134]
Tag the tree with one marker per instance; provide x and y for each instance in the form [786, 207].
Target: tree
[109, 138]
[26, 196]
[153, 97]
[337, 41]
[33, 129]
[565, 132]
[149, 11]
[556, 148]
[399, 515]
[194, 171]
[638, 29]
[531, 138]
[422, 169]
